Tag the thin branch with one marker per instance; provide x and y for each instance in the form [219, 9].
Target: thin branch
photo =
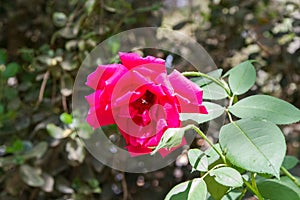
[124, 187]
[43, 87]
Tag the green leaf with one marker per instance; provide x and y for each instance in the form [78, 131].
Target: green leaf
[198, 160]
[242, 77]
[190, 190]
[290, 162]
[66, 118]
[11, 70]
[38, 151]
[215, 189]
[227, 176]
[288, 182]
[172, 137]
[17, 146]
[3, 56]
[256, 146]
[31, 176]
[214, 111]
[59, 19]
[232, 195]
[212, 155]
[277, 190]
[57, 132]
[266, 107]
[211, 90]
[201, 81]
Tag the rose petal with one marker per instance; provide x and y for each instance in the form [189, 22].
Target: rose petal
[105, 75]
[100, 113]
[188, 93]
[131, 60]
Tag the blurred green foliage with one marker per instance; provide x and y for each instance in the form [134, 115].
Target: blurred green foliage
[42, 44]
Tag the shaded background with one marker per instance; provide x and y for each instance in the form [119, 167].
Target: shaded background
[42, 44]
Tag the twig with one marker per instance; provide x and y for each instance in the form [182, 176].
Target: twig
[63, 97]
[124, 187]
[42, 89]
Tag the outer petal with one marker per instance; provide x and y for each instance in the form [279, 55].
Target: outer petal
[188, 93]
[100, 113]
[131, 60]
[105, 75]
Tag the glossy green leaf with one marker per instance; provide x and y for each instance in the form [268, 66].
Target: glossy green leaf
[288, 182]
[11, 70]
[266, 107]
[277, 190]
[241, 78]
[227, 176]
[211, 90]
[232, 195]
[214, 111]
[198, 160]
[215, 189]
[212, 155]
[253, 145]
[66, 118]
[190, 190]
[31, 176]
[172, 137]
[290, 162]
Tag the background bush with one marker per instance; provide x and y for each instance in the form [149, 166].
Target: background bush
[42, 44]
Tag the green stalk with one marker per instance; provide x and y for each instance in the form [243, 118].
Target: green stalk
[215, 167]
[288, 174]
[254, 190]
[199, 132]
[199, 74]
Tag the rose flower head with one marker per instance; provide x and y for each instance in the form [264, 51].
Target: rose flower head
[141, 99]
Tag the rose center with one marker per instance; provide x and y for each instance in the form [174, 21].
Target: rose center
[139, 109]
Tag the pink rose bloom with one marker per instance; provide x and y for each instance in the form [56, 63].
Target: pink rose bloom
[141, 99]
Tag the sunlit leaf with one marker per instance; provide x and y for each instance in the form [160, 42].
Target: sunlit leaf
[198, 160]
[214, 111]
[241, 77]
[227, 176]
[257, 146]
[290, 162]
[31, 176]
[189, 190]
[266, 107]
[66, 118]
